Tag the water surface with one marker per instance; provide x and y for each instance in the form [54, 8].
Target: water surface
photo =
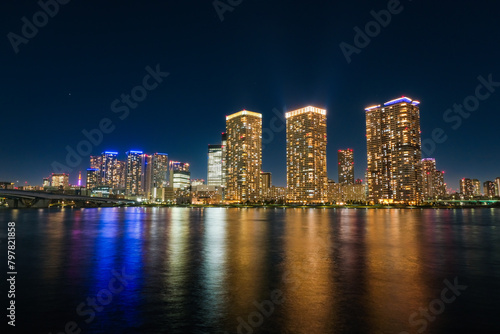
[218, 270]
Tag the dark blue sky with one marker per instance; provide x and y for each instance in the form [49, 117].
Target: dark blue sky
[264, 55]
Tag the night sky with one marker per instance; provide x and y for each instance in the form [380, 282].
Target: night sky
[264, 55]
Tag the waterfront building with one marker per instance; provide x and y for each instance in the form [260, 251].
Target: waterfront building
[224, 162]
[497, 186]
[108, 169]
[306, 141]
[433, 185]
[489, 188]
[244, 156]
[343, 193]
[346, 166]
[134, 173]
[476, 186]
[92, 180]
[466, 187]
[214, 170]
[159, 176]
[394, 152]
[179, 175]
[265, 183]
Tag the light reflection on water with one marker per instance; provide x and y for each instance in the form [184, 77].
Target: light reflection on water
[210, 270]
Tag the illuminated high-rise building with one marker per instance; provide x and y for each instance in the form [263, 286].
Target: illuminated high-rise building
[440, 187]
[224, 158]
[497, 186]
[489, 188]
[92, 178]
[119, 176]
[179, 175]
[214, 170]
[95, 161]
[108, 166]
[306, 140]
[60, 180]
[159, 174]
[244, 156]
[394, 152]
[466, 187]
[432, 180]
[266, 179]
[476, 186]
[134, 173]
[147, 176]
[265, 183]
[346, 166]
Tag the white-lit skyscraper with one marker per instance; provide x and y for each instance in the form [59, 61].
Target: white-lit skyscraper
[159, 174]
[179, 175]
[214, 170]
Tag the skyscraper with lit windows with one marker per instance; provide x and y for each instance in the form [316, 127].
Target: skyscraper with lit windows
[179, 175]
[92, 178]
[214, 170]
[108, 161]
[489, 188]
[467, 187]
[476, 186]
[159, 174]
[346, 166]
[60, 180]
[306, 140]
[244, 156]
[433, 185]
[134, 173]
[394, 152]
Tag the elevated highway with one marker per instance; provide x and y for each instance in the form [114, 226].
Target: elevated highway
[40, 199]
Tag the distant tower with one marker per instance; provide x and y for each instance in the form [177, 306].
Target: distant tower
[466, 187]
[92, 178]
[80, 178]
[135, 173]
[179, 175]
[346, 166]
[432, 180]
[214, 170]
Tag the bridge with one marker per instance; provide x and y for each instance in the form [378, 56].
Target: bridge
[466, 201]
[40, 199]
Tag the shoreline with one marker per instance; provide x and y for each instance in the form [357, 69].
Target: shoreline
[273, 206]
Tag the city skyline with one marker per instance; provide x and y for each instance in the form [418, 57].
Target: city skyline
[109, 158]
[60, 92]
